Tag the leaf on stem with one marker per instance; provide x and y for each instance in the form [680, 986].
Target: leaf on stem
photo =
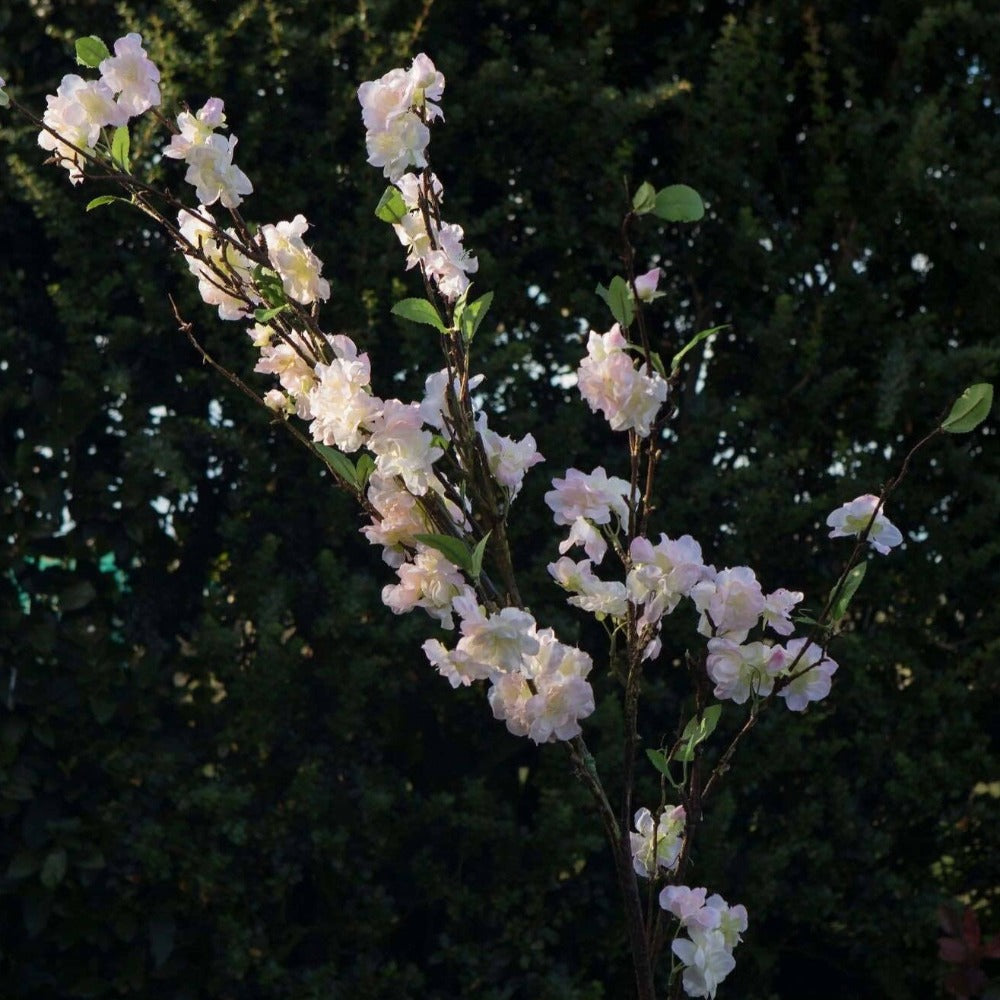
[697, 731]
[104, 199]
[619, 300]
[266, 315]
[679, 203]
[120, 144]
[850, 587]
[644, 200]
[477, 555]
[91, 51]
[363, 469]
[659, 760]
[419, 311]
[391, 207]
[970, 409]
[693, 342]
[342, 466]
[473, 315]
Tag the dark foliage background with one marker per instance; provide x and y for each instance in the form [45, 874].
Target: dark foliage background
[227, 772]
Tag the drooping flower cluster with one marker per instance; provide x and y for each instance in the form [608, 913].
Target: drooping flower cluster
[209, 156]
[855, 516]
[609, 381]
[538, 685]
[80, 109]
[396, 110]
[714, 927]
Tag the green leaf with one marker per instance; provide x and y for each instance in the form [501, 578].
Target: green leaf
[54, 869]
[847, 591]
[970, 409]
[454, 549]
[77, 596]
[363, 469]
[679, 203]
[120, 144]
[266, 315]
[419, 311]
[697, 731]
[693, 342]
[659, 760]
[339, 463]
[91, 51]
[391, 207]
[644, 201]
[618, 297]
[477, 555]
[104, 199]
[473, 315]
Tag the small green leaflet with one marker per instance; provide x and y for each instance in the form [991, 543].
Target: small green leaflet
[644, 200]
[473, 315]
[618, 296]
[339, 463]
[419, 311]
[659, 760]
[455, 550]
[364, 469]
[970, 409]
[477, 555]
[693, 342]
[679, 203]
[697, 731]
[104, 199]
[120, 144]
[847, 591]
[91, 51]
[391, 207]
[266, 315]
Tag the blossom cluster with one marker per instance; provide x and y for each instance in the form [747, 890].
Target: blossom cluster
[538, 685]
[714, 929]
[396, 110]
[80, 109]
[609, 381]
[656, 843]
[730, 602]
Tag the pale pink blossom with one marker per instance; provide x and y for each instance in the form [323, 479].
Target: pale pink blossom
[402, 447]
[688, 906]
[195, 129]
[594, 495]
[855, 516]
[739, 671]
[450, 265]
[645, 285]
[501, 640]
[214, 175]
[132, 76]
[399, 518]
[657, 843]
[457, 666]
[76, 113]
[508, 459]
[599, 597]
[430, 582]
[706, 960]
[582, 532]
[815, 682]
[224, 274]
[297, 266]
[730, 603]
[399, 145]
[609, 381]
[341, 404]
[287, 359]
[662, 574]
[778, 609]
